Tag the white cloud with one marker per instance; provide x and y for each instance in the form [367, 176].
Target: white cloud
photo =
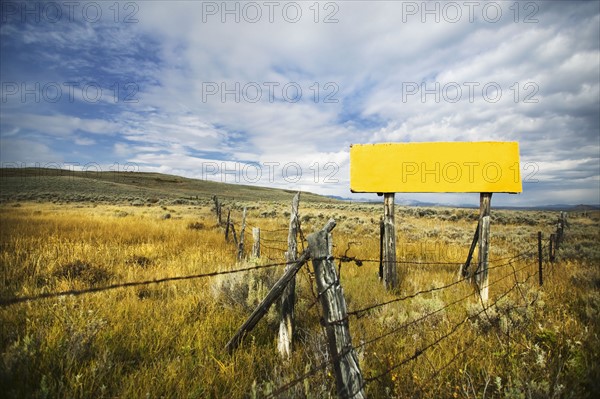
[84, 141]
[61, 125]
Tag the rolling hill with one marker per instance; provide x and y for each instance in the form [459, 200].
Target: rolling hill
[32, 184]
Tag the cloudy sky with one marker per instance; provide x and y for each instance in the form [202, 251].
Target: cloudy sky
[274, 93]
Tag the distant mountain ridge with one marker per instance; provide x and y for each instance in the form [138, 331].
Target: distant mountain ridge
[408, 202]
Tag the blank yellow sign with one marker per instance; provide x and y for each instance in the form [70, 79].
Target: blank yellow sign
[455, 167]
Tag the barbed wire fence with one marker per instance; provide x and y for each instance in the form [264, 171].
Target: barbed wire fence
[529, 260]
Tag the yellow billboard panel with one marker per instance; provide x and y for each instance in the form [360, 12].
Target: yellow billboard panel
[453, 167]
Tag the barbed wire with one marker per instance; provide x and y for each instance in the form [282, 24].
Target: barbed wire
[272, 248]
[271, 240]
[30, 298]
[264, 230]
[530, 248]
[358, 312]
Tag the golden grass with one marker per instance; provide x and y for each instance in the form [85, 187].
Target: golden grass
[166, 340]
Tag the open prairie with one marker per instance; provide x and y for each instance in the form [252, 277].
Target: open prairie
[431, 338]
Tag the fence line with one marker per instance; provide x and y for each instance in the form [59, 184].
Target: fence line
[272, 248]
[358, 312]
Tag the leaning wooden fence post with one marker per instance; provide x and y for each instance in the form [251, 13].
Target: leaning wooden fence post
[348, 377]
[227, 226]
[481, 275]
[234, 235]
[465, 267]
[256, 242]
[540, 258]
[390, 270]
[240, 255]
[286, 325]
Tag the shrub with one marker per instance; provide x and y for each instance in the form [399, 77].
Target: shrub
[141, 261]
[196, 226]
[83, 271]
[246, 290]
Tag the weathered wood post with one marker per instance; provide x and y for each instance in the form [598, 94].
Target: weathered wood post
[390, 269]
[540, 271]
[234, 235]
[465, 267]
[217, 209]
[551, 247]
[227, 226]
[348, 377]
[481, 275]
[559, 230]
[256, 242]
[240, 254]
[286, 325]
[381, 240]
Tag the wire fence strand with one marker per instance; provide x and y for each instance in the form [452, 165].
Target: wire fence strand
[11, 301]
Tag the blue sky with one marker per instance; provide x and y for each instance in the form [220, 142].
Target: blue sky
[274, 93]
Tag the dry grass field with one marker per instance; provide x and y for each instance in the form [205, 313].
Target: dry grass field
[167, 340]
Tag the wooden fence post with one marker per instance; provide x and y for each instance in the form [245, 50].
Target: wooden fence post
[286, 325]
[240, 255]
[227, 225]
[348, 377]
[465, 267]
[217, 209]
[234, 235]
[559, 231]
[390, 270]
[481, 275]
[540, 258]
[381, 239]
[256, 242]
[551, 247]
